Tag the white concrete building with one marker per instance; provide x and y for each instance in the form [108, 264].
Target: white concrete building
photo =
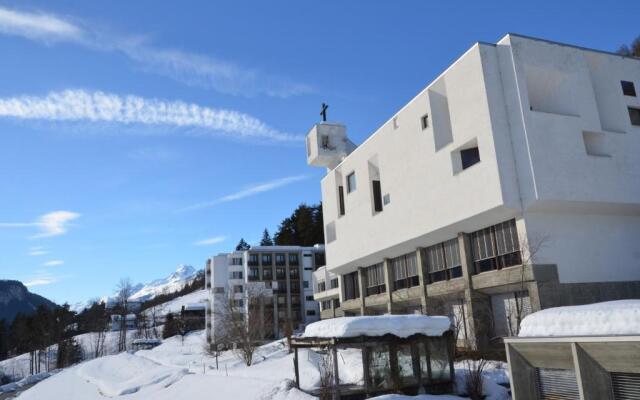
[280, 275]
[510, 183]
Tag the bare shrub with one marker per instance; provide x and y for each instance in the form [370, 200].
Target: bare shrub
[474, 377]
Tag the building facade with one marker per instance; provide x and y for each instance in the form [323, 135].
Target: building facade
[279, 278]
[510, 184]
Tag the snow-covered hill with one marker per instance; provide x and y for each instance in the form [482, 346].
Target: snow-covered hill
[174, 282]
[142, 292]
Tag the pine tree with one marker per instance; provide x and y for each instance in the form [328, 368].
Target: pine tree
[170, 326]
[633, 51]
[4, 346]
[242, 245]
[266, 238]
[303, 228]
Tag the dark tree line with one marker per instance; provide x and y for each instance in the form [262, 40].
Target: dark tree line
[35, 333]
[631, 51]
[304, 227]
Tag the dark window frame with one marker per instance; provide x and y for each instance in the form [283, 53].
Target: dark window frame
[469, 157]
[351, 187]
[628, 88]
[634, 116]
[341, 200]
[377, 195]
[424, 121]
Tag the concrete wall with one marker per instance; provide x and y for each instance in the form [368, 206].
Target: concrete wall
[429, 195]
[557, 150]
[588, 247]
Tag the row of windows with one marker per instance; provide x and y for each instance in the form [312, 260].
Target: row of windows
[235, 275]
[267, 259]
[326, 304]
[267, 274]
[492, 248]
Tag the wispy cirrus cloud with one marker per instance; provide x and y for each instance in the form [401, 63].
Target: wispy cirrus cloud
[248, 192]
[182, 66]
[42, 277]
[36, 251]
[85, 106]
[53, 263]
[51, 224]
[210, 241]
[38, 26]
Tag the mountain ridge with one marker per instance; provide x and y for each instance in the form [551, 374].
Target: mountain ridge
[15, 298]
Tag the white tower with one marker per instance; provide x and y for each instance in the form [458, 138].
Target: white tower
[328, 145]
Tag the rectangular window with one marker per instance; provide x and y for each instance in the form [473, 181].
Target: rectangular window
[319, 259]
[311, 312]
[280, 260]
[333, 284]
[469, 157]
[351, 182]
[235, 275]
[351, 288]
[443, 261]
[634, 115]
[281, 273]
[628, 89]
[326, 305]
[375, 279]
[237, 289]
[305, 284]
[253, 260]
[425, 121]
[309, 298]
[267, 274]
[341, 199]
[404, 270]
[236, 261]
[336, 303]
[496, 247]
[294, 273]
[322, 286]
[254, 274]
[266, 259]
[293, 259]
[377, 196]
[324, 142]
[238, 303]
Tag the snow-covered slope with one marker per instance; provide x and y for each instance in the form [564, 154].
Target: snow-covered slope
[180, 369]
[174, 282]
[184, 275]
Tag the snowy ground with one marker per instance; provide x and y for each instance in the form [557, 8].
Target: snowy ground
[183, 370]
[175, 305]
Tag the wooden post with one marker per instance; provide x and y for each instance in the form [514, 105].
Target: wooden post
[427, 353]
[395, 371]
[295, 366]
[336, 377]
[365, 369]
[415, 363]
[451, 347]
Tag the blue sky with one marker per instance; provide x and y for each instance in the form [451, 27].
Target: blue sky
[135, 136]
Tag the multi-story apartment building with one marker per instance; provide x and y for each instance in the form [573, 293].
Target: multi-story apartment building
[511, 183]
[280, 276]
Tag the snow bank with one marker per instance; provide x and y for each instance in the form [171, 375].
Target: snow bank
[398, 325]
[127, 373]
[600, 319]
[30, 380]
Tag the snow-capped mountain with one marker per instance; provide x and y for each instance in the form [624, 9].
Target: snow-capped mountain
[184, 275]
[174, 282]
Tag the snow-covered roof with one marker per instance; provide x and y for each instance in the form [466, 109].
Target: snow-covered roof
[398, 325]
[600, 319]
